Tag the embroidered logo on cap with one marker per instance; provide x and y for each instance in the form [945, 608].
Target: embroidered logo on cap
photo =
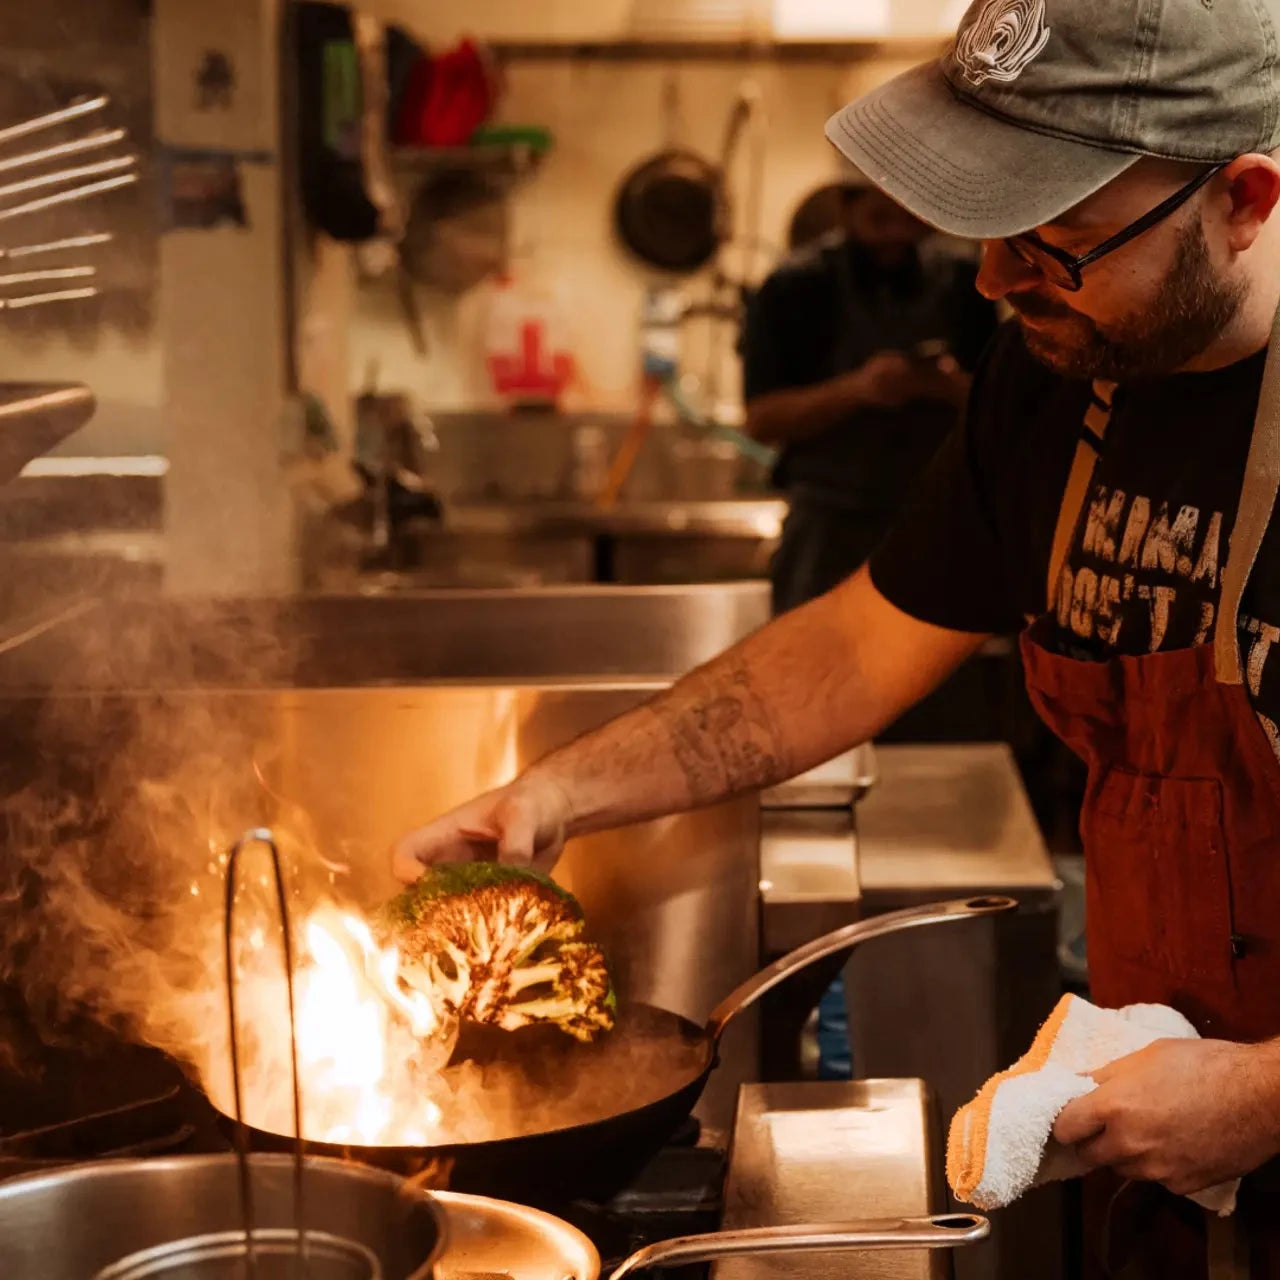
[1002, 40]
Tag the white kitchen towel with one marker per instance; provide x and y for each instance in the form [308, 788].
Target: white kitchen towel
[1001, 1144]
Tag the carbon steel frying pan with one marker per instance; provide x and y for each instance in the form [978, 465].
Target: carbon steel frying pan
[603, 1155]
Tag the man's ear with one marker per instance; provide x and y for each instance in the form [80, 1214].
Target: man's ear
[1253, 186]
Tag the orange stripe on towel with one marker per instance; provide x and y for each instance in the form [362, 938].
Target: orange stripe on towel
[967, 1154]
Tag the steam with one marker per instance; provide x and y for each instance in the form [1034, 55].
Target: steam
[117, 810]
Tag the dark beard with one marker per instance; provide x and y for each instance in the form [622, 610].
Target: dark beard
[1191, 308]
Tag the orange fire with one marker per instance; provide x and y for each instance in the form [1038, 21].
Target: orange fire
[369, 1047]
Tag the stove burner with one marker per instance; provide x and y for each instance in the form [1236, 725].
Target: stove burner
[149, 1127]
[91, 1106]
[72, 1106]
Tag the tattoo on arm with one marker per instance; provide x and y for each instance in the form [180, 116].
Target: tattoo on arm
[725, 738]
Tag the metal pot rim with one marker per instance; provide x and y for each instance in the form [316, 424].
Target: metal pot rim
[98, 1169]
[563, 1235]
[348, 1169]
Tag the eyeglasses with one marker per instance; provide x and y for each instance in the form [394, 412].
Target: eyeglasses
[1062, 269]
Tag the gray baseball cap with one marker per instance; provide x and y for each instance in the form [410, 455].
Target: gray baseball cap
[1039, 103]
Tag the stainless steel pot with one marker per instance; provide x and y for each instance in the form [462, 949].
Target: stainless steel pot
[81, 1221]
[492, 1239]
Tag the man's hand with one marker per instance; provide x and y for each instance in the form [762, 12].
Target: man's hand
[1185, 1113]
[523, 823]
[943, 379]
[890, 380]
[885, 380]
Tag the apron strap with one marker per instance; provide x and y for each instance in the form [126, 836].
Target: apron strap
[1093, 432]
[1227, 1248]
[1257, 500]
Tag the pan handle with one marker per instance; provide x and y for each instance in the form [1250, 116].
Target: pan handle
[844, 939]
[945, 1232]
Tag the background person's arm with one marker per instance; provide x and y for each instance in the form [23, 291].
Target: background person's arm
[887, 380]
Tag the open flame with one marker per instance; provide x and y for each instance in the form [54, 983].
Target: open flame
[374, 1053]
[369, 1047]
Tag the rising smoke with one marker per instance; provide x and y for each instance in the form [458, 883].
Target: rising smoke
[119, 800]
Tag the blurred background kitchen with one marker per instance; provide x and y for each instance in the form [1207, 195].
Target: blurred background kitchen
[414, 339]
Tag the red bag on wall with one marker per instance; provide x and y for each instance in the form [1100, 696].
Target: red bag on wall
[447, 98]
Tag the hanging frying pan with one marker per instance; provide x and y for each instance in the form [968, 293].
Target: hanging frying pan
[672, 209]
[597, 1154]
[668, 210]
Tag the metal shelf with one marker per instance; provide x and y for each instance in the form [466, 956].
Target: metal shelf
[513, 160]
[839, 52]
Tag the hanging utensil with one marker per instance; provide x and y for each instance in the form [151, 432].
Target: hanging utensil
[51, 118]
[669, 210]
[96, 170]
[264, 838]
[370, 39]
[624, 460]
[458, 229]
[35, 192]
[408, 298]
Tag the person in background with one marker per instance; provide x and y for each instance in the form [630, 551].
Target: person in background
[855, 363]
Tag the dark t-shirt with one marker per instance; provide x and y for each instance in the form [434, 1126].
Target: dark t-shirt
[971, 550]
[825, 312]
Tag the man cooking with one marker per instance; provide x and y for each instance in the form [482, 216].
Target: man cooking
[854, 364]
[1114, 481]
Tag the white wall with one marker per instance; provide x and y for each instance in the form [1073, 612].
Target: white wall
[606, 115]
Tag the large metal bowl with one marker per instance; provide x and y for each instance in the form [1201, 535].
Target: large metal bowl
[71, 1224]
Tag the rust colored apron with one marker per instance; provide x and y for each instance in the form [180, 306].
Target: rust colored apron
[1181, 831]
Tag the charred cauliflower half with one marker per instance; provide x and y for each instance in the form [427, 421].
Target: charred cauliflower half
[502, 945]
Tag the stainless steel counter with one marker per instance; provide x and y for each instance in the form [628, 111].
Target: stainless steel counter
[950, 819]
[825, 1152]
[809, 882]
[874, 831]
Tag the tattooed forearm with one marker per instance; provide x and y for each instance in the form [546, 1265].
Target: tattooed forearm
[724, 737]
[808, 685]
